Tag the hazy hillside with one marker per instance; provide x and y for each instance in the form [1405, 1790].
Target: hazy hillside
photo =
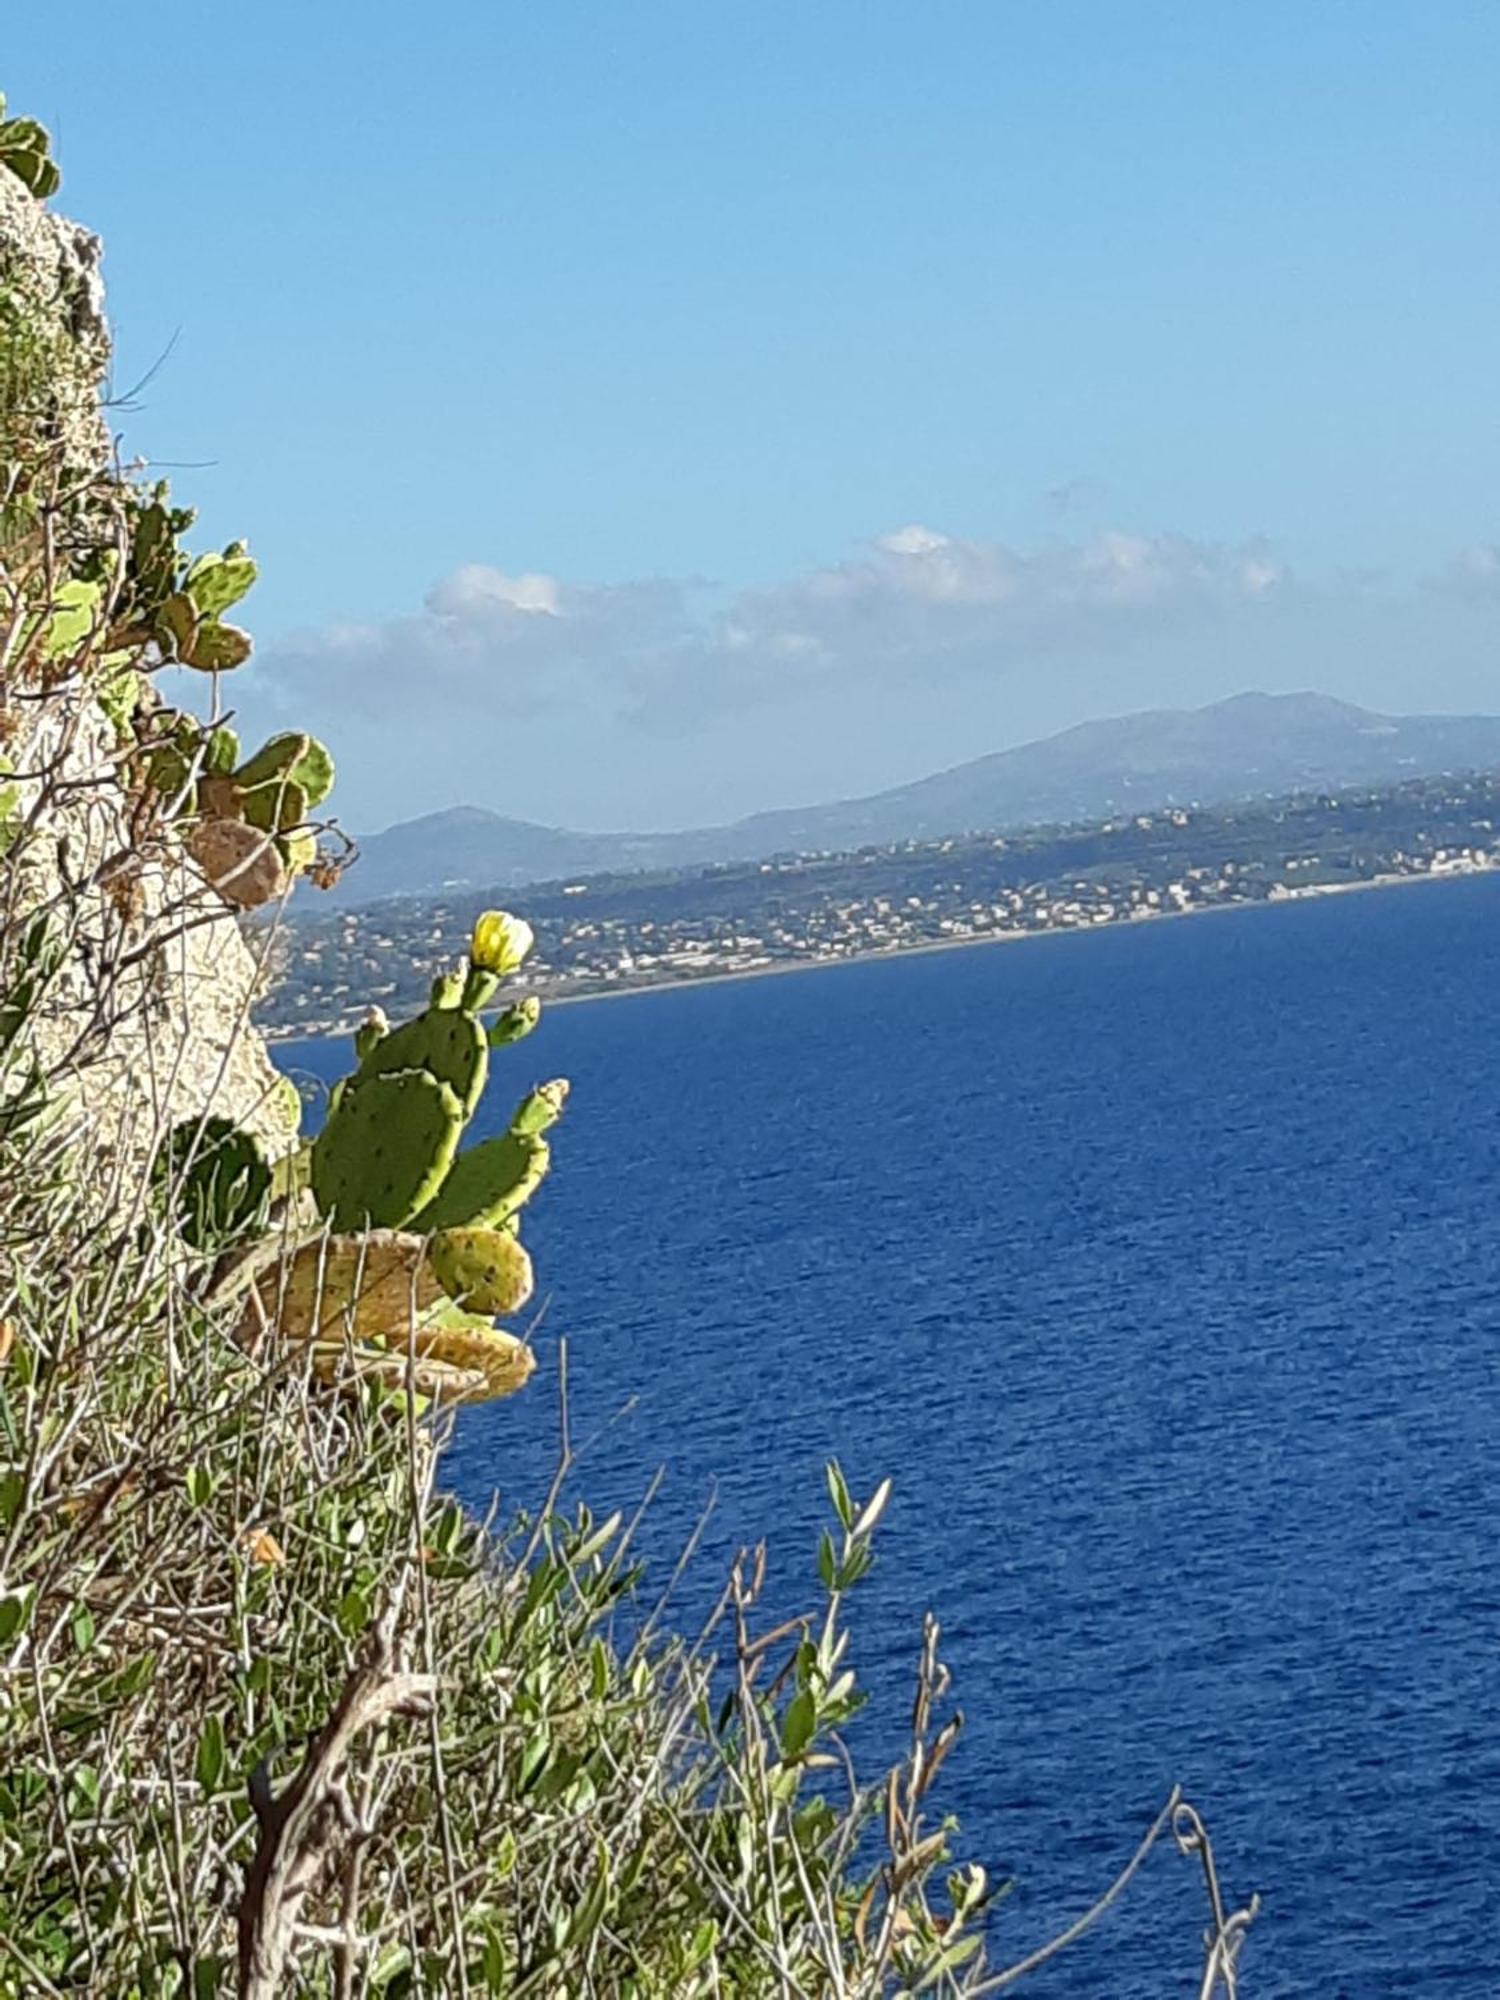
[1251, 744]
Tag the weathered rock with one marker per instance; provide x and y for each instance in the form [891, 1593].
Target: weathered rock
[147, 1021]
[50, 273]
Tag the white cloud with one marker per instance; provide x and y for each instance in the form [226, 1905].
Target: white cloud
[639, 701]
[1473, 573]
[916, 607]
[478, 589]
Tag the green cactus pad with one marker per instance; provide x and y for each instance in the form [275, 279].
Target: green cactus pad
[385, 1149]
[515, 1022]
[488, 1183]
[540, 1110]
[216, 1178]
[448, 989]
[443, 1041]
[216, 582]
[273, 761]
[314, 772]
[482, 1270]
[221, 753]
[275, 808]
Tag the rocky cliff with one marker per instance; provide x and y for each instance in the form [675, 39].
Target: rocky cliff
[144, 978]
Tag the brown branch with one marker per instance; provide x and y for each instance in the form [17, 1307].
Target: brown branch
[300, 1831]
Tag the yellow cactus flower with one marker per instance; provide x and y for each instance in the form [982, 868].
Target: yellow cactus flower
[501, 942]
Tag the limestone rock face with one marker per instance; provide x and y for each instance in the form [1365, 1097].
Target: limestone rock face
[50, 271]
[147, 1019]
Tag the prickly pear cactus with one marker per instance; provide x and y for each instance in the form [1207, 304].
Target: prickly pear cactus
[424, 1249]
[197, 772]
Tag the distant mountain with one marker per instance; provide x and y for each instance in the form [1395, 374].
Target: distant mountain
[1251, 745]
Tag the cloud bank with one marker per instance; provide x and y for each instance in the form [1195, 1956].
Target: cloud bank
[649, 701]
[915, 603]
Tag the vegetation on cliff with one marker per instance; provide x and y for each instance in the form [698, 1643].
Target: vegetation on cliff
[275, 1715]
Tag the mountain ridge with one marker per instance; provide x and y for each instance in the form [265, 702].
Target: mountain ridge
[1248, 745]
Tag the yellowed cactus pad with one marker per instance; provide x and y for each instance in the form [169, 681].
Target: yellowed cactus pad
[450, 1364]
[380, 1291]
[369, 1286]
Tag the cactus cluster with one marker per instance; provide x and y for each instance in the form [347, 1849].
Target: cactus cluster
[419, 1249]
[174, 601]
[251, 834]
[25, 150]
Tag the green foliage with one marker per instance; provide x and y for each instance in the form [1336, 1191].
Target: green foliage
[173, 601]
[25, 151]
[275, 1717]
[216, 1180]
[196, 768]
[205, 1550]
[388, 1180]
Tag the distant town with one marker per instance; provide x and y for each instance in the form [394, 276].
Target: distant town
[618, 933]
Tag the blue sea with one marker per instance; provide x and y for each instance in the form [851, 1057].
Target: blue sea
[1161, 1268]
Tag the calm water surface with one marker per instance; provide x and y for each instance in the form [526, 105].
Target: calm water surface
[1162, 1269]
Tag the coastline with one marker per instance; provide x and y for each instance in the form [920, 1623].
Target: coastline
[638, 990]
[1315, 892]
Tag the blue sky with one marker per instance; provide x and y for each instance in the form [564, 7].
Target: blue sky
[646, 414]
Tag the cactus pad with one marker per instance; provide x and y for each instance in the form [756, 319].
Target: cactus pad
[484, 1270]
[216, 1178]
[241, 862]
[385, 1149]
[373, 1285]
[515, 1022]
[445, 1042]
[487, 1184]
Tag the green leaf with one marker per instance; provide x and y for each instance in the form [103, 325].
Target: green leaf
[874, 1507]
[449, 1530]
[838, 1493]
[392, 1962]
[533, 1757]
[208, 1977]
[208, 1765]
[353, 1612]
[493, 1962]
[83, 1628]
[799, 1725]
[75, 608]
[590, 1912]
[15, 1609]
[596, 1541]
[828, 1567]
[200, 1485]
